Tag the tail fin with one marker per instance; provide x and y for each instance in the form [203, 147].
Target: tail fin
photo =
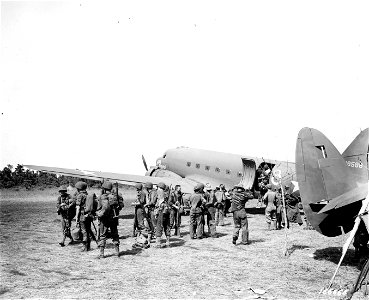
[356, 156]
[322, 175]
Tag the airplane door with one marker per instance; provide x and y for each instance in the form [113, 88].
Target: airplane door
[248, 176]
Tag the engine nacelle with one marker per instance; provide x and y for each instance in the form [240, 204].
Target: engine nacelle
[157, 172]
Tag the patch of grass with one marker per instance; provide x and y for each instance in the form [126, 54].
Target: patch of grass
[15, 272]
[4, 290]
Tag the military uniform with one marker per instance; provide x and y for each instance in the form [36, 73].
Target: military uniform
[66, 208]
[239, 199]
[162, 214]
[219, 206]
[196, 212]
[210, 211]
[270, 199]
[176, 209]
[292, 210]
[141, 225]
[84, 218]
[150, 200]
[107, 211]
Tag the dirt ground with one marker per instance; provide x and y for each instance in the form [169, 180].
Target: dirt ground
[33, 265]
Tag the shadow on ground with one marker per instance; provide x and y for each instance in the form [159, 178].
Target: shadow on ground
[127, 216]
[297, 247]
[255, 210]
[333, 254]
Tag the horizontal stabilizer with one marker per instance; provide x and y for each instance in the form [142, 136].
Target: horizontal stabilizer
[354, 195]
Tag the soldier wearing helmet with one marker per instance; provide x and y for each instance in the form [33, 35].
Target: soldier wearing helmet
[66, 208]
[196, 212]
[162, 214]
[210, 210]
[108, 208]
[176, 209]
[220, 205]
[270, 200]
[239, 199]
[82, 217]
[141, 226]
[150, 197]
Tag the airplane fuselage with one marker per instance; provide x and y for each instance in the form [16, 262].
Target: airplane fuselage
[217, 167]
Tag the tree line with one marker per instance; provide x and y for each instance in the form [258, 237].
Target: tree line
[19, 177]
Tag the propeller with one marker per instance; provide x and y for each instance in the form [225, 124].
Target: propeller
[144, 162]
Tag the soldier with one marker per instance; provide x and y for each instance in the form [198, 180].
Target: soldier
[210, 210]
[83, 218]
[141, 225]
[162, 214]
[109, 205]
[270, 200]
[292, 210]
[220, 205]
[279, 209]
[66, 208]
[150, 200]
[239, 199]
[176, 209]
[196, 213]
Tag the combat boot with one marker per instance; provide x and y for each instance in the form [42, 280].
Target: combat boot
[167, 244]
[158, 242]
[234, 240]
[84, 247]
[245, 237]
[62, 242]
[101, 255]
[117, 250]
[213, 233]
[274, 225]
[88, 246]
[175, 230]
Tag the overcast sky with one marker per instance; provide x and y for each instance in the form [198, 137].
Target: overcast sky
[93, 85]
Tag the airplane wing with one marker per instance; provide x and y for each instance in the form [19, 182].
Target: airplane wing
[357, 194]
[203, 179]
[186, 185]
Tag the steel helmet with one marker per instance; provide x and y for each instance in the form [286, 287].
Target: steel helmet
[199, 187]
[80, 185]
[208, 187]
[63, 188]
[239, 186]
[162, 185]
[107, 185]
[138, 186]
[148, 185]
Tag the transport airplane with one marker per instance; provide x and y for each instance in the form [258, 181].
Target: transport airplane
[187, 167]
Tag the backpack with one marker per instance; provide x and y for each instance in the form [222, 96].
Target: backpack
[91, 204]
[105, 209]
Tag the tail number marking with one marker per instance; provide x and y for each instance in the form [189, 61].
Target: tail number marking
[356, 164]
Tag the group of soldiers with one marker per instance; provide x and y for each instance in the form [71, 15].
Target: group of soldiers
[157, 212]
[85, 207]
[274, 213]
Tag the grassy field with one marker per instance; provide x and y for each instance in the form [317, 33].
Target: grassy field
[33, 265]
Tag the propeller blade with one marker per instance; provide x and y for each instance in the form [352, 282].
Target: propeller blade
[144, 162]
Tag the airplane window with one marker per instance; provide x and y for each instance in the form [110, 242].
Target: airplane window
[188, 164]
[217, 169]
[207, 168]
[239, 174]
[198, 166]
[228, 172]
